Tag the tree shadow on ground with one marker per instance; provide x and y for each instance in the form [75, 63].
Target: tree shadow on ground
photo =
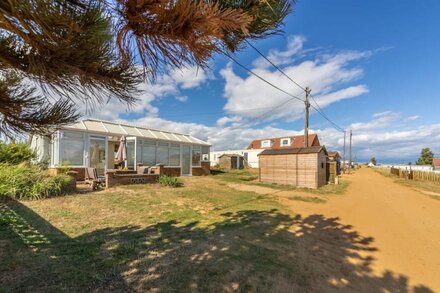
[249, 251]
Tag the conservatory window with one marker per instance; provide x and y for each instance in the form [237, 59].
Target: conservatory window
[174, 155]
[162, 153]
[130, 154]
[72, 148]
[148, 153]
[196, 155]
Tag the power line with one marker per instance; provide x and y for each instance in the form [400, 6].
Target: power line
[320, 111]
[317, 108]
[274, 65]
[261, 78]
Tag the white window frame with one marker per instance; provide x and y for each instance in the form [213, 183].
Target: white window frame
[85, 138]
[266, 143]
[198, 147]
[289, 142]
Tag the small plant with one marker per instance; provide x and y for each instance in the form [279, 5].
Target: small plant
[27, 181]
[169, 181]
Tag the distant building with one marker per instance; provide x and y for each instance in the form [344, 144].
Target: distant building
[250, 157]
[436, 163]
[231, 161]
[296, 141]
[250, 154]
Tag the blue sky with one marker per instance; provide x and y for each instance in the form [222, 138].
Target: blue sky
[373, 67]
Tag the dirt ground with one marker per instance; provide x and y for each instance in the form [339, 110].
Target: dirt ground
[402, 224]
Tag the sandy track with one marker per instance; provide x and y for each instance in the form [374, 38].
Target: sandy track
[379, 236]
[404, 225]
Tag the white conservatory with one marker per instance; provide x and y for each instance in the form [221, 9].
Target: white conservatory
[93, 143]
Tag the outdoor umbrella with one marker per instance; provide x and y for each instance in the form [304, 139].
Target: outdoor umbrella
[121, 155]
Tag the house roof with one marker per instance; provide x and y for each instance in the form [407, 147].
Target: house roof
[333, 154]
[120, 128]
[288, 151]
[297, 141]
[436, 162]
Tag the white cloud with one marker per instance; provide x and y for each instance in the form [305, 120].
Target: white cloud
[189, 77]
[380, 120]
[327, 75]
[294, 46]
[226, 119]
[182, 98]
[166, 84]
[412, 118]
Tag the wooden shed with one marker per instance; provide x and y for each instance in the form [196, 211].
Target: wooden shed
[231, 161]
[301, 167]
[333, 166]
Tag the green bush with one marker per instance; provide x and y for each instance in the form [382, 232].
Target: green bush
[27, 181]
[169, 181]
[15, 153]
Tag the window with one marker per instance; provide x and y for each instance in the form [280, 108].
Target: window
[130, 154]
[205, 153]
[265, 143]
[174, 155]
[285, 141]
[148, 156]
[162, 153]
[72, 148]
[196, 155]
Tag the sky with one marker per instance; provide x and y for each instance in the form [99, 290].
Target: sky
[372, 66]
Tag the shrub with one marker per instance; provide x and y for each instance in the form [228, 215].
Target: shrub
[15, 153]
[27, 181]
[169, 181]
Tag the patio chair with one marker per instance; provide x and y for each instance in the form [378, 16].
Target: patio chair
[92, 178]
[143, 170]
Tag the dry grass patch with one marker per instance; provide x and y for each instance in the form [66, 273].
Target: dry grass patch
[426, 187]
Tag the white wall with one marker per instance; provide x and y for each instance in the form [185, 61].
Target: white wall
[41, 145]
[408, 167]
[252, 156]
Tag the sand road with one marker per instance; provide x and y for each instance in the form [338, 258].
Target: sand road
[379, 236]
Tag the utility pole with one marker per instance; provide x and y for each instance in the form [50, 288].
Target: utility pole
[343, 156]
[349, 160]
[306, 122]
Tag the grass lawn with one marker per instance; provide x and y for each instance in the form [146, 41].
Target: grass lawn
[250, 176]
[202, 237]
[423, 185]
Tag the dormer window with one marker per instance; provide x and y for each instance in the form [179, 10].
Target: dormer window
[285, 142]
[265, 143]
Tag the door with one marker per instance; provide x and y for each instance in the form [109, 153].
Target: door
[97, 154]
[186, 160]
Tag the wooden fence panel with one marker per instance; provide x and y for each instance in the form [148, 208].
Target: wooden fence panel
[416, 175]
